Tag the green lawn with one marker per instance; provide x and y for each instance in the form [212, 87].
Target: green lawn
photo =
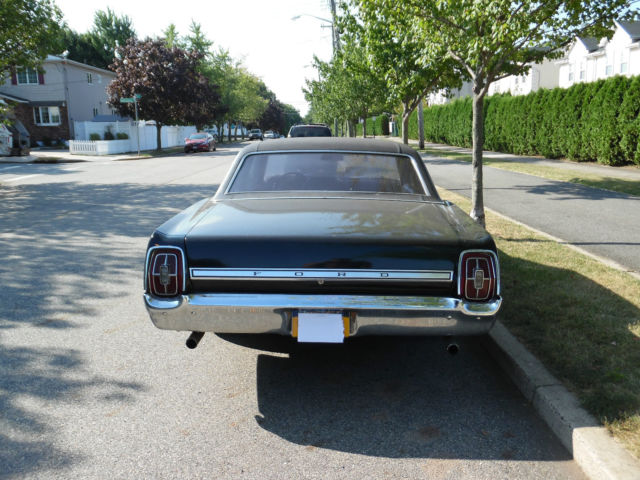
[580, 317]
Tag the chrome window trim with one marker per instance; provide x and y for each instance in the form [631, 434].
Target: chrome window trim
[319, 274]
[426, 193]
[158, 247]
[495, 263]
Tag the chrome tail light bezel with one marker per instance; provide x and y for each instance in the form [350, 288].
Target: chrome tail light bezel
[491, 258]
[181, 271]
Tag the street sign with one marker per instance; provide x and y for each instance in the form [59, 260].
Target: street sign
[138, 96]
[127, 100]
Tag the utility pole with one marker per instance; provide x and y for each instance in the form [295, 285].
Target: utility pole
[335, 37]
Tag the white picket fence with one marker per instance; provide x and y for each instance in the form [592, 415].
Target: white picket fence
[170, 137]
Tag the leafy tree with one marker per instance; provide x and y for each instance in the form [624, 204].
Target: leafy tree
[108, 33]
[197, 41]
[172, 89]
[348, 87]
[171, 38]
[397, 56]
[98, 46]
[80, 48]
[492, 39]
[29, 31]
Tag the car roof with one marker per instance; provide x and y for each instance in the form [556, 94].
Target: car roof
[330, 143]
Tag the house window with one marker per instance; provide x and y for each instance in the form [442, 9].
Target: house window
[609, 70]
[570, 76]
[27, 76]
[89, 78]
[46, 115]
[583, 72]
[95, 112]
[623, 67]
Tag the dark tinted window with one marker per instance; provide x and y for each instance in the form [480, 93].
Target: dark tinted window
[310, 131]
[327, 171]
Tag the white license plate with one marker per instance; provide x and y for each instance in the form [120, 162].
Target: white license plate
[320, 327]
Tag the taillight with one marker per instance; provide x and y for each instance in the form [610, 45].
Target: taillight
[479, 276]
[165, 271]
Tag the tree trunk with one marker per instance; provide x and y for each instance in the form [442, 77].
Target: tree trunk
[229, 130]
[477, 137]
[158, 136]
[405, 123]
[349, 128]
[420, 125]
[364, 127]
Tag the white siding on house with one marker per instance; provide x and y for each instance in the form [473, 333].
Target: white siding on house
[618, 56]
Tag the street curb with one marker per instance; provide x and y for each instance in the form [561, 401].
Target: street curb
[593, 448]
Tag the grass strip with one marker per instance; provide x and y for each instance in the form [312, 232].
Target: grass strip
[580, 317]
[614, 184]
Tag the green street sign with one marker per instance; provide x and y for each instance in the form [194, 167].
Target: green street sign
[127, 100]
[138, 96]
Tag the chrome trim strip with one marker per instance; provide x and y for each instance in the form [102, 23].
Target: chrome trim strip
[237, 302]
[427, 192]
[305, 273]
[184, 264]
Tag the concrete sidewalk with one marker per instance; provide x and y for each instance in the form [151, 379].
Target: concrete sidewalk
[625, 172]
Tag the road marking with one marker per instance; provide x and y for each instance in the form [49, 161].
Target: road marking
[22, 178]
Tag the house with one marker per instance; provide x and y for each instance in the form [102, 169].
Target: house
[589, 60]
[540, 75]
[47, 102]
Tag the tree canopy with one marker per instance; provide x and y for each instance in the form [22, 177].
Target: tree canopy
[491, 39]
[173, 91]
[29, 31]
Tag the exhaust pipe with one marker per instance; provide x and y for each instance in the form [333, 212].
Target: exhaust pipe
[194, 339]
[453, 349]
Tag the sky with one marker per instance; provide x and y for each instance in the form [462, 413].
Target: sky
[261, 33]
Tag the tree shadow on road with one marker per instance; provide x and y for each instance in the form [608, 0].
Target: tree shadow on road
[69, 253]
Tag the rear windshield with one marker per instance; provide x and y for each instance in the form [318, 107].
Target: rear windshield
[310, 132]
[198, 136]
[327, 171]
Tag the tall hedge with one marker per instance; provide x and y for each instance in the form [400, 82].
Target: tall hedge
[596, 121]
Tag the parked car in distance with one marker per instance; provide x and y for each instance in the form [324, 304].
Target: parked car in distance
[199, 142]
[255, 134]
[310, 130]
[323, 239]
[270, 134]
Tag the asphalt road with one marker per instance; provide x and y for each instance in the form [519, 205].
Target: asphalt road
[605, 224]
[90, 389]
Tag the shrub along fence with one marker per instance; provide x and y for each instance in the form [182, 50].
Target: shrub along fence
[588, 122]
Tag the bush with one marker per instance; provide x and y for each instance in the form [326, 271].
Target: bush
[108, 135]
[588, 121]
[94, 137]
[121, 136]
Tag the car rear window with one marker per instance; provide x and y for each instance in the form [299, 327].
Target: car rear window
[327, 171]
[197, 136]
[314, 131]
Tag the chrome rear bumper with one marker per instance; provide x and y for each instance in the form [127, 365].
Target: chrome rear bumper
[273, 313]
